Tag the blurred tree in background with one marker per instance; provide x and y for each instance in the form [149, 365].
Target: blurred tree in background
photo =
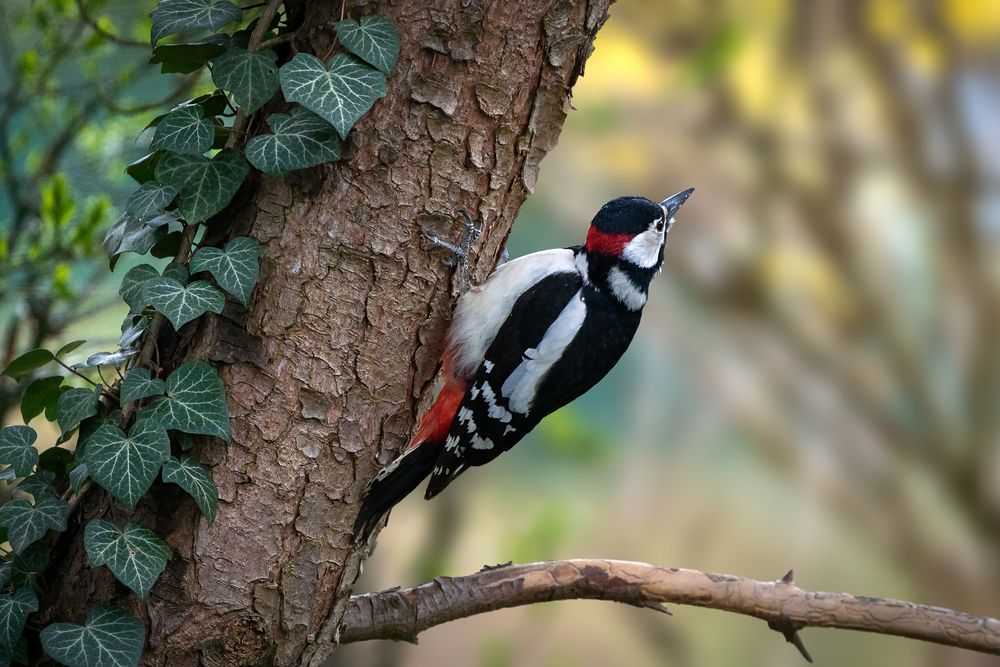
[816, 384]
[76, 90]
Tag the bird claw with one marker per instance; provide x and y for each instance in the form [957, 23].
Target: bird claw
[460, 252]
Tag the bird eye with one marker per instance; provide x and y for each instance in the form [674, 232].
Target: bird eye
[659, 225]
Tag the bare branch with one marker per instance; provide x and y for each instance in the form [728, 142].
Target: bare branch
[403, 614]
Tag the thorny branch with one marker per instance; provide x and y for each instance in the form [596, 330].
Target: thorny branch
[403, 614]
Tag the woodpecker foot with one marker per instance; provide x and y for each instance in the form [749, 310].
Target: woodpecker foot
[459, 253]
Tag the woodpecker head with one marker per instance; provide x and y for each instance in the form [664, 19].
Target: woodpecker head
[634, 229]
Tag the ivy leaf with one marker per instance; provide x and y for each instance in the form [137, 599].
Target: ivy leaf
[111, 638]
[142, 169]
[252, 78]
[205, 185]
[196, 401]
[150, 199]
[74, 406]
[184, 58]
[182, 303]
[41, 396]
[24, 569]
[17, 449]
[374, 40]
[107, 358]
[300, 140]
[341, 93]
[127, 465]
[27, 362]
[69, 347]
[135, 555]
[14, 610]
[26, 523]
[235, 268]
[57, 461]
[139, 384]
[173, 16]
[37, 485]
[77, 476]
[184, 130]
[132, 283]
[133, 327]
[196, 480]
[130, 234]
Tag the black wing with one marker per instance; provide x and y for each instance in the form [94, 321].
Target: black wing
[485, 425]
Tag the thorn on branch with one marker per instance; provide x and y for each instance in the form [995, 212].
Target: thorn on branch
[790, 631]
[655, 606]
[487, 568]
[789, 578]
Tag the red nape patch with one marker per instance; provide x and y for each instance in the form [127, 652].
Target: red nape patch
[436, 423]
[606, 244]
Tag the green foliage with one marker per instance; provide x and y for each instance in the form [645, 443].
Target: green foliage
[194, 169]
[184, 130]
[173, 16]
[299, 140]
[182, 303]
[251, 78]
[340, 92]
[138, 385]
[374, 39]
[127, 465]
[195, 479]
[111, 637]
[14, 610]
[234, 268]
[75, 405]
[205, 185]
[17, 449]
[26, 523]
[196, 401]
[135, 555]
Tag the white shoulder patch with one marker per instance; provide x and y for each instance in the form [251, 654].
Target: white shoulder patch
[482, 310]
[521, 386]
[626, 291]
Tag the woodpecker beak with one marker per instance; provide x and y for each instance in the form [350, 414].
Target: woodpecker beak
[674, 202]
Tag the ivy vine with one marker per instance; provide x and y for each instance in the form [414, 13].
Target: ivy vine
[138, 427]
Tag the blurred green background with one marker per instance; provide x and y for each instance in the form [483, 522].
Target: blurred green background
[816, 383]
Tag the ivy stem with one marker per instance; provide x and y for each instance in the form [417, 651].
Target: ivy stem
[74, 371]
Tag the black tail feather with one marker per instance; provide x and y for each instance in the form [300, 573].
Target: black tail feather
[394, 483]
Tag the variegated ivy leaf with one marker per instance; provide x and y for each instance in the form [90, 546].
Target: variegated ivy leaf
[173, 16]
[184, 130]
[116, 358]
[74, 406]
[135, 555]
[127, 465]
[196, 480]
[300, 140]
[150, 199]
[132, 283]
[111, 638]
[27, 523]
[196, 401]
[235, 268]
[14, 610]
[340, 93]
[182, 303]
[374, 40]
[17, 449]
[251, 78]
[205, 185]
[139, 384]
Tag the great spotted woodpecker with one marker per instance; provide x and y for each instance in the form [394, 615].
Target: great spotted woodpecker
[538, 333]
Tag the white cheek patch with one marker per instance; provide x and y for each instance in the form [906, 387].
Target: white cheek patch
[626, 291]
[644, 249]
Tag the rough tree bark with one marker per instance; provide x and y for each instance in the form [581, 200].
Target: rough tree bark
[328, 370]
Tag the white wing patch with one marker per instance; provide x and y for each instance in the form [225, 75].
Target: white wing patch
[521, 386]
[481, 311]
[625, 290]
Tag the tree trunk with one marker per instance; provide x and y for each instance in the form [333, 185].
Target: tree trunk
[330, 367]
